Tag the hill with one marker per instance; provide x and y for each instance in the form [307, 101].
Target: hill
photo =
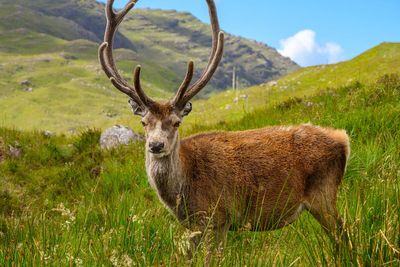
[53, 46]
[89, 101]
[167, 39]
[365, 68]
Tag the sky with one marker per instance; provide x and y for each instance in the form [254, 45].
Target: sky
[310, 32]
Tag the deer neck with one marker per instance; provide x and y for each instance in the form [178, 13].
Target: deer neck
[166, 177]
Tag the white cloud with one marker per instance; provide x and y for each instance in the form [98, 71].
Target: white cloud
[304, 49]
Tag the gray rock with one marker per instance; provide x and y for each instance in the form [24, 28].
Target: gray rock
[25, 83]
[118, 135]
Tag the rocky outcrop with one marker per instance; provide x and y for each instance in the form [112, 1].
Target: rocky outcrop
[118, 135]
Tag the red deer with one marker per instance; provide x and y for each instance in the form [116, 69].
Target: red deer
[262, 179]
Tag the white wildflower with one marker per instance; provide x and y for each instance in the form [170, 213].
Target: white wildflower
[68, 214]
[184, 243]
[126, 261]
[78, 262]
[114, 258]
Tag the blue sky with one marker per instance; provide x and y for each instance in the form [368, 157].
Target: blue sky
[309, 31]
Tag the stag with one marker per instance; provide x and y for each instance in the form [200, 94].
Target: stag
[262, 179]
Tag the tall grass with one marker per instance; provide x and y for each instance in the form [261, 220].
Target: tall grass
[67, 203]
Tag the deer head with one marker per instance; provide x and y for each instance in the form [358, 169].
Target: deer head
[161, 120]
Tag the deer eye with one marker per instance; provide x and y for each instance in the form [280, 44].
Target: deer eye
[144, 124]
[177, 124]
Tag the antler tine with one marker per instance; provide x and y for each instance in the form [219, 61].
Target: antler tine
[202, 82]
[109, 73]
[117, 84]
[120, 15]
[136, 81]
[215, 57]
[185, 85]
[216, 29]
[114, 19]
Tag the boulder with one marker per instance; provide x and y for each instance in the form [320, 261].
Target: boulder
[118, 135]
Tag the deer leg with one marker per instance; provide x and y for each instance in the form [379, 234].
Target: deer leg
[324, 213]
[321, 203]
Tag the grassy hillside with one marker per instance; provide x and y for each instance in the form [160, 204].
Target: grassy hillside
[53, 45]
[365, 68]
[72, 94]
[66, 203]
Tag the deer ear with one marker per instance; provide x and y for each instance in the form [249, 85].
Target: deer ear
[187, 109]
[137, 109]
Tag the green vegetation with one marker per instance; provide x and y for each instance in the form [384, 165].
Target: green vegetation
[73, 94]
[54, 46]
[65, 202]
[366, 68]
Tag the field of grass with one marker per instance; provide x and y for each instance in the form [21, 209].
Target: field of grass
[67, 203]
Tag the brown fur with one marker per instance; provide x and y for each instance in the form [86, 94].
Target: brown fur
[262, 177]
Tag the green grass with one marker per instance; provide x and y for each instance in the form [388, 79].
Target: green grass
[65, 202]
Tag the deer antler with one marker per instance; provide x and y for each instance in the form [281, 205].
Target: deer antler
[114, 19]
[185, 93]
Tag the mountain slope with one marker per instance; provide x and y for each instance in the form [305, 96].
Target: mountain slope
[163, 38]
[173, 39]
[51, 46]
[63, 104]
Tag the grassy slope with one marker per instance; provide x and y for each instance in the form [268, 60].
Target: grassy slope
[42, 41]
[73, 94]
[70, 91]
[66, 202]
[365, 68]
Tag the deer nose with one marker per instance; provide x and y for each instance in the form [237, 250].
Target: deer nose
[156, 147]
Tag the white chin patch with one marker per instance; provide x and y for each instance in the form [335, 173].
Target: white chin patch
[160, 155]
